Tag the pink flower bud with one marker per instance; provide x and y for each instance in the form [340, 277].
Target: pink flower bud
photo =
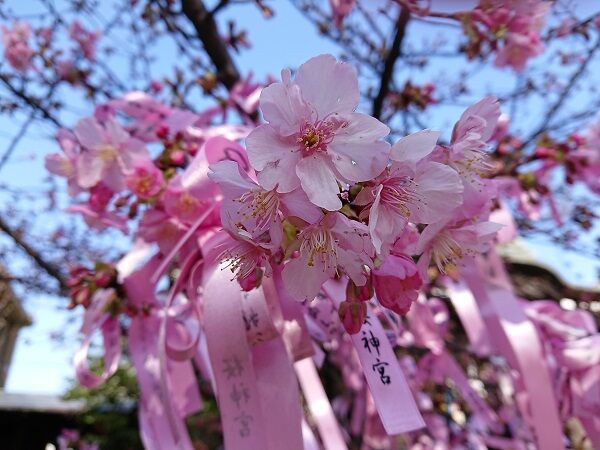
[362, 293]
[352, 315]
[177, 157]
[397, 283]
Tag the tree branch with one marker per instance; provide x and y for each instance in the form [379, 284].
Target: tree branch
[564, 94]
[31, 101]
[47, 266]
[393, 54]
[215, 47]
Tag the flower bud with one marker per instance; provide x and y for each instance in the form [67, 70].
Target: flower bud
[397, 283]
[352, 315]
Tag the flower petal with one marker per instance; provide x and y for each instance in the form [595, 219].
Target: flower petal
[439, 190]
[89, 169]
[319, 182]
[328, 85]
[283, 107]
[356, 150]
[414, 147]
[266, 147]
[232, 181]
[302, 281]
[89, 133]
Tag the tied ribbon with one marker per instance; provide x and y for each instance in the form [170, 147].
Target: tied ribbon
[515, 336]
[428, 321]
[168, 389]
[253, 384]
[388, 385]
[573, 343]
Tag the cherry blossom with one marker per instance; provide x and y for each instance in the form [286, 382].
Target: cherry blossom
[334, 246]
[409, 190]
[108, 152]
[313, 137]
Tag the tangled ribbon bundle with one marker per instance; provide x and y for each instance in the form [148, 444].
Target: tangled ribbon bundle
[318, 245]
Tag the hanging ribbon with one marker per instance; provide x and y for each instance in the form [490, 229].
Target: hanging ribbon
[516, 338]
[391, 392]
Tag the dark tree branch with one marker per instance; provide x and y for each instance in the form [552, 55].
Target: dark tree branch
[47, 266]
[215, 47]
[15, 141]
[31, 101]
[393, 54]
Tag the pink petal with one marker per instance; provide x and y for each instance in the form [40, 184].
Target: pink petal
[414, 147]
[319, 182]
[232, 181]
[440, 189]
[265, 147]
[283, 107]
[116, 132]
[58, 164]
[296, 203]
[280, 174]
[89, 133]
[356, 151]
[384, 224]
[302, 281]
[89, 169]
[328, 85]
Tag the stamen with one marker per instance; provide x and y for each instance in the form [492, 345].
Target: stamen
[320, 245]
[446, 251]
[399, 193]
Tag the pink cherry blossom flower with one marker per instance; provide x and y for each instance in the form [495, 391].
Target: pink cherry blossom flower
[313, 138]
[246, 260]
[100, 220]
[352, 315]
[85, 39]
[397, 283]
[518, 48]
[334, 246]
[257, 211]
[65, 164]
[447, 243]
[156, 226]
[16, 45]
[144, 179]
[410, 189]
[108, 152]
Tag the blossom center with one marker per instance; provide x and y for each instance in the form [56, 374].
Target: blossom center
[315, 137]
[260, 205]
[107, 153]
[320, 246]
[398, 193]
[242, 259]
[446, 251]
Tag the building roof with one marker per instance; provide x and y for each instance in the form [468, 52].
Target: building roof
[39, 403]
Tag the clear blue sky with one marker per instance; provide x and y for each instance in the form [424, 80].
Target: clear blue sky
[40, 364]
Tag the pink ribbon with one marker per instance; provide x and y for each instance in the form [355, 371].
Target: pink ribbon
[394, 401]
[516, 338]
[319, 406]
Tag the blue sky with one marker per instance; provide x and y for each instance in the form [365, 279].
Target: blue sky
[42, 365]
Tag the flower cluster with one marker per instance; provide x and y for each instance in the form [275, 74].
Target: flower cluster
[326, 196]
[317, 191]
[510, 28]
[17, 51]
